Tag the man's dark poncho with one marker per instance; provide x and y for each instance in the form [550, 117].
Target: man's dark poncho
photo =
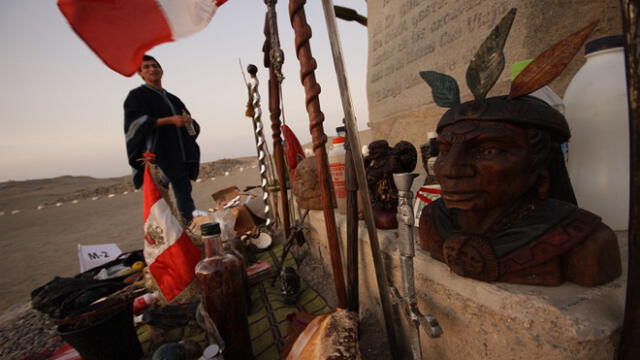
[176, 152]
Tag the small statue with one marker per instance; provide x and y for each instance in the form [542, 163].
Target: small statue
[508, 212]
[380, 165]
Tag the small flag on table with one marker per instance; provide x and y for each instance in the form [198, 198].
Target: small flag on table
[120, 32]
[168, 250]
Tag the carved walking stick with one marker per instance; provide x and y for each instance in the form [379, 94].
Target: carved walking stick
[274, 63]
[629, 345]
[354, 141]
[308, 65]
[256, 114]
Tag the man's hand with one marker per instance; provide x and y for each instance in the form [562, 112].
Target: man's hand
[177, 120]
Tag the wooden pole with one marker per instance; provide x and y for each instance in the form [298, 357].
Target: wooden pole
[630, 339]
[308, 66]
[354, 143]
[276, 58]
[352, 230]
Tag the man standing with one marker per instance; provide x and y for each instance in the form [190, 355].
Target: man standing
[156, 121]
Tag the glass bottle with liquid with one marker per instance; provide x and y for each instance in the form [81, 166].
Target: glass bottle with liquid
[231, 246]
[221, 286]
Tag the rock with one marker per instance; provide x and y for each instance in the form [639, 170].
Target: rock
[306, 186]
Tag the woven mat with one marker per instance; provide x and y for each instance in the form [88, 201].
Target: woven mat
[267, 322]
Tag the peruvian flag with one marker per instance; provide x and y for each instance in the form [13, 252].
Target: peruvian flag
[121, 31]
[168, 250]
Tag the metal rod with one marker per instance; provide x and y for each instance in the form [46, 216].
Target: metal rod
[406, 246]
[276, 59]
[254, 98]
[352, 134]
[629, 344]
[308, 66]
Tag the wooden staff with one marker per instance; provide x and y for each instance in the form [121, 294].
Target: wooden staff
[274, 63]
[629, 344]
[352, 229]
[354, 142]
[308, 66]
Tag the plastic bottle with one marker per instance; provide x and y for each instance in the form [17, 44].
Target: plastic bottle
[432, 156]
[337, 168]
[191, 130]
[144, 301]
[597, 111]
[220, 278]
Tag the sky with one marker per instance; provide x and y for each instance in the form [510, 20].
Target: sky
[63, 107]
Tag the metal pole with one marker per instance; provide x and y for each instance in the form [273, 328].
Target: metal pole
[254, 97]
[629, 342]
[408, 299]
[354, 141]
[276, 58]
[308, 66]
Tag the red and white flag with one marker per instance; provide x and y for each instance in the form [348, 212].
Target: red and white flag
[120, 32]
[168, 250]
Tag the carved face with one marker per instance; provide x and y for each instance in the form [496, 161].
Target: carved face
[483, 165]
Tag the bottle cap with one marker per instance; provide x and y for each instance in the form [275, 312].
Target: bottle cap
[340, 129]
[211, 351]
[603, 43]
[210, 229]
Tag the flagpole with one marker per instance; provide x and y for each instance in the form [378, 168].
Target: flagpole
[308, 66]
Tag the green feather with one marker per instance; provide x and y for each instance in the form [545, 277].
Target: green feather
[444, 88]
[487, 65]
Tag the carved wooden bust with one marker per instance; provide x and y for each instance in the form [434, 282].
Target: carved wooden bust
[507, 211]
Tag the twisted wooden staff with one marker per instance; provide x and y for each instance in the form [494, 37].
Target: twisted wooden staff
[276, 58]
[254, 97]
[308, 66]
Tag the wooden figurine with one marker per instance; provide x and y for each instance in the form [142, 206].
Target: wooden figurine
[508, 212]
[380, 165]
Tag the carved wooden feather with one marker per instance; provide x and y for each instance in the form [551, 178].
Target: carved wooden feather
[550, 63]
[444, 88]
[487, 64]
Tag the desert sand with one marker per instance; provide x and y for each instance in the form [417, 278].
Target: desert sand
[41, 240]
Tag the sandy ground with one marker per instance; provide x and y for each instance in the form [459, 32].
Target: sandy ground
[38, 244]
[53, 216]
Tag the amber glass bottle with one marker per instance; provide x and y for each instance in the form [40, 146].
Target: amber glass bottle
[220, 278]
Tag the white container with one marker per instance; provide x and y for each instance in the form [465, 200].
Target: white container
[337, 168]
[598, 153]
